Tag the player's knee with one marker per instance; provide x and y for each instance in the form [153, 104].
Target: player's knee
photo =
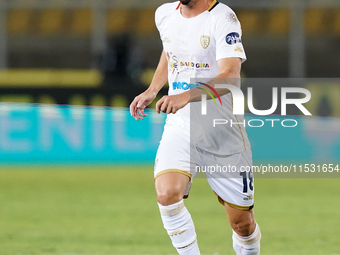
[244, 227]
[169, 196]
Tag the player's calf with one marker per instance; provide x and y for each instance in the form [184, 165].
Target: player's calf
[247, 245]
[246, 232]
[243, 227]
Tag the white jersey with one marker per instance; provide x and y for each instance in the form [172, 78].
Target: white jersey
[192, 47]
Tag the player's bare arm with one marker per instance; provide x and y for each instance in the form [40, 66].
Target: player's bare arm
[171, 104]
[229, 68]
[143, 100]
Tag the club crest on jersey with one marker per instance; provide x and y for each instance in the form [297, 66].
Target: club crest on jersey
[205, 41]
[233, 38]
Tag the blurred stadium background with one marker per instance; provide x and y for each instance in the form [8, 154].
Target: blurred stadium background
[78, 180]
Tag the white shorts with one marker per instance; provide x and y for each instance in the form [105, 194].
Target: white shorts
[229, 176]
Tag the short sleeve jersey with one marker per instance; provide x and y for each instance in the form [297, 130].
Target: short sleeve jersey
[192, 47]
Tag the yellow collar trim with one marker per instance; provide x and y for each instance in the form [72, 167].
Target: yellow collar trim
[212, 5]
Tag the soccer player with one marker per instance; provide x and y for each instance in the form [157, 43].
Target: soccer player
[201, 39]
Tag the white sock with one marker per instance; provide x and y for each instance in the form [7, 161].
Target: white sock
[180, 227]
[247, 245]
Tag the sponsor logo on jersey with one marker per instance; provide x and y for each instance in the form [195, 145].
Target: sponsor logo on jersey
[184, 85]
[238, 48]
[172, 61]
[173, 64]
[166, 40]
[194, 65]
[233, 38]
[205, 41]
[249, 197]
[231, 17]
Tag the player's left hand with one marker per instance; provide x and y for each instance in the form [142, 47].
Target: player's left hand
[171, 104]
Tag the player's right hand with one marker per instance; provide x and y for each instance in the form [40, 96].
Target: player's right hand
[140, 103]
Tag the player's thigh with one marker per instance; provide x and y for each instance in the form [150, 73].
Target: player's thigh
[172, 168]
[229, 181]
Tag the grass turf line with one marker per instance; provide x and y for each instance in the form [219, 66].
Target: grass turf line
[113, 210]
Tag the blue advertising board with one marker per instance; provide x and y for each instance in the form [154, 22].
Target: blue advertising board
[57, 134]
[71, 134]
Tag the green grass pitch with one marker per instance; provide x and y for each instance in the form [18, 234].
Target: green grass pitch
[113, 210]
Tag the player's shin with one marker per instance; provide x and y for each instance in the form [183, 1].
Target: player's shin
[178, 223]
[247, 245]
